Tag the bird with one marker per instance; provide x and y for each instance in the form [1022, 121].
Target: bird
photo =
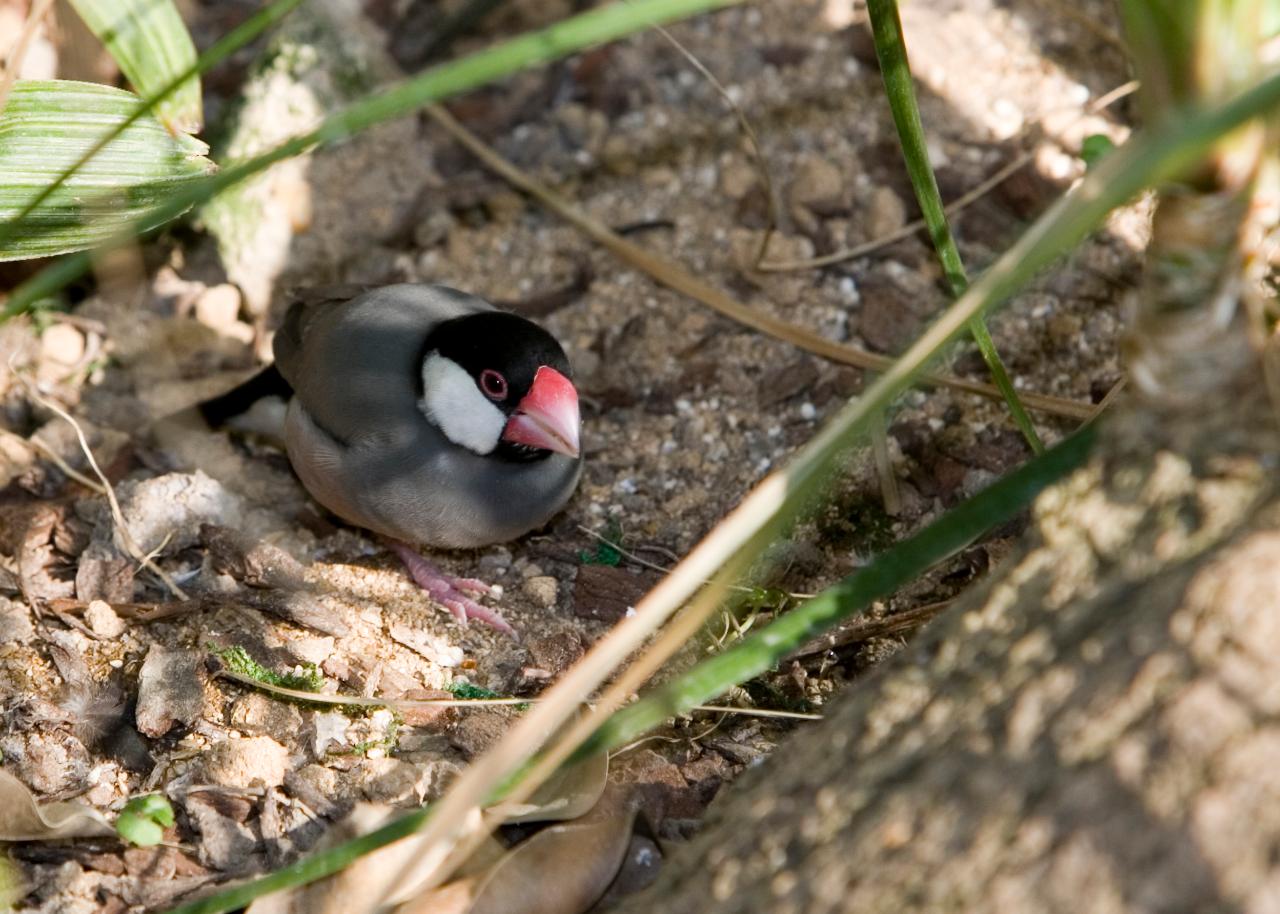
[430, 417]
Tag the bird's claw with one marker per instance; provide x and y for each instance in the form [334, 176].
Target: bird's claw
[465, 609]
[476, 586]
[451, 592]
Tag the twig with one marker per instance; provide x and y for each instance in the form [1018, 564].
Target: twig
[758, 712]
[632, 557]
[676, 277]
[410, 704]
[19, 51]
[861, 250]
[1105, 403]
[56, 459]
[1089, 23]
[889, 491]
[762, 167]
[1110, 98]
[962, 202]
[859, 630]
[365, 701]
[117, 515]
[141, 613]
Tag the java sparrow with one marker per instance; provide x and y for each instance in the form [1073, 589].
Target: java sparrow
[426, 415]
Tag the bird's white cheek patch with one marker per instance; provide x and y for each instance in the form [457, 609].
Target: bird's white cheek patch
[452, 401]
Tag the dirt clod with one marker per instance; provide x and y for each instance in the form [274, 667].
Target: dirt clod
[171, 690]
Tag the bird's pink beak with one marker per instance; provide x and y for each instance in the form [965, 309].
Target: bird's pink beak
[547, 417]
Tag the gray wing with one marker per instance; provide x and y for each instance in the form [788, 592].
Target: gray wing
[355, 365]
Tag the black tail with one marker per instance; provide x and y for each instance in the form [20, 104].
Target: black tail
[266, 383]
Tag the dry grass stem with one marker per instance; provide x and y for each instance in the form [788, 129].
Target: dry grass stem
[117, 515]
[632, 557]
[56, 459]
[870, 247]
[758, 712]
[889, 491]
[1105, 403]
[13, 63]
[960, 203]
[753, 139]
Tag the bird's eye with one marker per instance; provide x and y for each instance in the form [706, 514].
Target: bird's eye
[493, 384]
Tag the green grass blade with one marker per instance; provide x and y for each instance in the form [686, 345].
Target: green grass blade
[223, 48]
[891, 50]
[150, 42]
[889, 571]
[48, 125]
[564, 38]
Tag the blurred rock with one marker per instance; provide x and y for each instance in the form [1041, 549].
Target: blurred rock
[168, 510]
[218, 307]
[170, 690]
[886, 214]
[225, 844]
[102, 577]
[255, 761]
[296, 222]
[542, 589]
[476, 731]
[556, 651]
[818, 184]
[102, 619]
[737, 176]
[50, 761]
[16, 626]
[62, 346]
[254, 712]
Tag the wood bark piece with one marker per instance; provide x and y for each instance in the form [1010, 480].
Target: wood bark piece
[1096, 730]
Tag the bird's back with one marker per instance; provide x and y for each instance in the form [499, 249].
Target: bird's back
[354, 361]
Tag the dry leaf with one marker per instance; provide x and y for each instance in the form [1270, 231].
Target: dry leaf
[569, 793]
[23, 819]
[563, 869]
[40, 565]
[454, 898]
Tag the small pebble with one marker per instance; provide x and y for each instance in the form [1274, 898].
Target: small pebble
[312, 650]
[543, 590]
[218, 306]
[817, 181]
[494, 562]
[102, 620]
[531, 570]
[245, 762]
[62, 344]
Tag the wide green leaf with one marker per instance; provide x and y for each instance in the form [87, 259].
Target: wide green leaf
[151, 44]
[47, 126]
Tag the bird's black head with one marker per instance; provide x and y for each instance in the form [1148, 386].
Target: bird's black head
[499, 384]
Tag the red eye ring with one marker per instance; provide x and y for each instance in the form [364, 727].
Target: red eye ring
[493, 384]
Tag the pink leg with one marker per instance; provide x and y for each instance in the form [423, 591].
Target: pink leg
[450, 592]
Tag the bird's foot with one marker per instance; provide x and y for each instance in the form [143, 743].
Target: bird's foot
[450, 592]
